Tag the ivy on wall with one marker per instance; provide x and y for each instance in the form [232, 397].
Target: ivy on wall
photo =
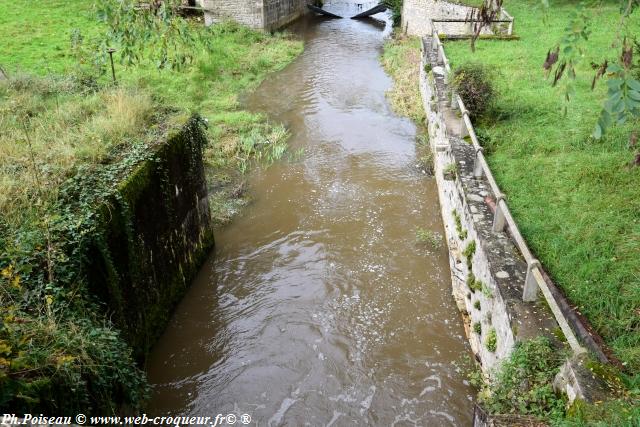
[64, 341]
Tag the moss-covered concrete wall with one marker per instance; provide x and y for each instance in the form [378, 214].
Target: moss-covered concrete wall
[156, 231]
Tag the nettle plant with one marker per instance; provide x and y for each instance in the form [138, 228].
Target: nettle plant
[153, 32]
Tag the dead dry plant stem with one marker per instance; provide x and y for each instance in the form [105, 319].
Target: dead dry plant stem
[36, 174]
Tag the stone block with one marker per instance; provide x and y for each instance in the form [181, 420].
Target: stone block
[579, 380]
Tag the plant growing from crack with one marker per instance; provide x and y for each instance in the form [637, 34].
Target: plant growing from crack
[491, 342]
[462, 233]
[477, 328]
[469, 251]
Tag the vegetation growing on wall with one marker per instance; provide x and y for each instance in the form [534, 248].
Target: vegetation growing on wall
[473, 283]
[462, 233]
[477, 328]
[58, 353]
[469, 252]
[523, 384]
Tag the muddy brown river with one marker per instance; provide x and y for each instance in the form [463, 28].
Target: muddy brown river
[318, 306]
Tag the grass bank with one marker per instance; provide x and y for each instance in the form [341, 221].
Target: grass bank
[401, 60]
[58, 350]
[238, 61]
[575, 199]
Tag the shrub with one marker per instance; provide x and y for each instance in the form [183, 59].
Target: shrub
[473, 83]
[524, 382]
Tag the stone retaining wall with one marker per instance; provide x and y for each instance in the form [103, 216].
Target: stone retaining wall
[278, 13]
[488, 270]
[488, 281]
[153, 235]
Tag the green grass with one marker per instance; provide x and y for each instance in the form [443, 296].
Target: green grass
[70, 127]
[52, 125]
[576, 200]
[36, 36]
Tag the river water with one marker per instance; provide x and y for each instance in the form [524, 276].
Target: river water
[318, 306]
